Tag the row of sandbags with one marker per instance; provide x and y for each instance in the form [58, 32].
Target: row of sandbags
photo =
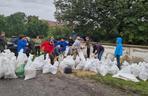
[22, 66]
[133, 72]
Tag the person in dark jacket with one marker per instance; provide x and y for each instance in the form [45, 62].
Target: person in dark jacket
[70, 41]
[3, 42]
[98, 49]
[118, 50]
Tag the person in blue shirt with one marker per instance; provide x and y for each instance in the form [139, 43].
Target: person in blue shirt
[118, 50]
[63, 44]
[22, 44]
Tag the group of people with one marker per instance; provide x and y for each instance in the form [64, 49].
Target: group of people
[65, 46]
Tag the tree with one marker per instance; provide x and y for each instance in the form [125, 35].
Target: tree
[2, 23]
[108, 17]
[16, 24]
[36, 27]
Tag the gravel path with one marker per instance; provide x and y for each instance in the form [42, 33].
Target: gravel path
[59, 85]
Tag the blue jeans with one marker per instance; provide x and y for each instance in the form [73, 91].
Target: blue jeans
[118, 61]
[100, 54]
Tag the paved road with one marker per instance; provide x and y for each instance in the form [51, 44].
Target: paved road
[59, 85]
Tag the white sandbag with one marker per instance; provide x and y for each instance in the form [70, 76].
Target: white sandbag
[126, 76]
[38, 62]
[66, 51]
[93, 65]
[87, 65]
[113, 69]
[77, 60]
[30, 74]
[81, 55]
[103, 69]
[124, 64]
[144, 72]
[56, 64]
[30, 71]
[46, 67]
[22, 58]
[1, 68]
[135, 69]
[53, 69]
[81, 65]
[8, 64]
[126, 69]
[11, 68]
[68, 61]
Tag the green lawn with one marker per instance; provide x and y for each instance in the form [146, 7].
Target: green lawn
[140, 88]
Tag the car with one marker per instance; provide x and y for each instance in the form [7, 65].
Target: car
[12, 44]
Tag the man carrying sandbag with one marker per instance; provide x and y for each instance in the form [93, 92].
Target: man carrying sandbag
[98, 49]
[48, 47]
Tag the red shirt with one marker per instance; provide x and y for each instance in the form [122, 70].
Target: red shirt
[47, 47]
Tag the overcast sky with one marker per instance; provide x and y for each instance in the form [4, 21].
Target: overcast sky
[43, 8]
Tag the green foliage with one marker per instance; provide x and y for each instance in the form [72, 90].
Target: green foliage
[18, 24]
[106, 18]
[15, 24]
[59, 31]
[36, 27]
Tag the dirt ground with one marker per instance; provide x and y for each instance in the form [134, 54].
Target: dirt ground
[57, 85]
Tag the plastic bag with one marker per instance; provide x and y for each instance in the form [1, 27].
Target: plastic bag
[81, 65]
[10, 73]
[124, 64]
[135, 70]
[113, 69]
[38, 62]
[53, 69]
[87, 65]
[7, 65]
[21, 59]
[56, 64]
[103, 69]
[77, 61]
[81, 55]
[68, 61]
[126, 76]
[144, 72]
[20, 70]
[46, 67]
[30, 71]
[93, 66]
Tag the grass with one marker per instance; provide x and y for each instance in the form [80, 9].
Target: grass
[140, 88]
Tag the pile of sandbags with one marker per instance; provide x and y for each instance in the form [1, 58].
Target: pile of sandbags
[7, 65]
[133, 71]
